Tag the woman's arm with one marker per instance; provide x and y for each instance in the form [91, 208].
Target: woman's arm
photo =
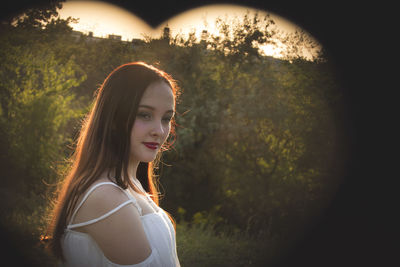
[120, 236]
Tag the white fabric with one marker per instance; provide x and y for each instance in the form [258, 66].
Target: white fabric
[81, 250]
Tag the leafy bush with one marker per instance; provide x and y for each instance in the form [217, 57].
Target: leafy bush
[201, 246]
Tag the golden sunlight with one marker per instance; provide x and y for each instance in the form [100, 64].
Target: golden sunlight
[103, 19]
[204, 18]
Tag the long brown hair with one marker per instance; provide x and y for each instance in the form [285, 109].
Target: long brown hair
[104, 143]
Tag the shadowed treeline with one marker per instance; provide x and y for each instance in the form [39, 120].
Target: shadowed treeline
[259, 148]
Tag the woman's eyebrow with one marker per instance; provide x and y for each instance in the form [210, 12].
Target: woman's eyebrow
[146, 106]
[152, 108]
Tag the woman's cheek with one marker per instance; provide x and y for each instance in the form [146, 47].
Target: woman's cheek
[138, 127]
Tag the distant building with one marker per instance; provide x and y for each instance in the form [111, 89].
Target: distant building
[166, 32]
[204, 35]
[89, 37]
[137, 43]
[76, 34]
[114, 37]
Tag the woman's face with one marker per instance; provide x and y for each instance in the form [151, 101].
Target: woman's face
[153, 122]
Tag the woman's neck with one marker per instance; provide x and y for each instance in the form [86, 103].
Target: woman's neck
[132, 169]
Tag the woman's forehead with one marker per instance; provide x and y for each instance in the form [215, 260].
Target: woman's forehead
[158, 94]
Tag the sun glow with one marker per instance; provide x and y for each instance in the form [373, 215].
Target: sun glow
[103, 19]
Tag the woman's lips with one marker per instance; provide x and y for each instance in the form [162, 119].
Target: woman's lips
[151, 145]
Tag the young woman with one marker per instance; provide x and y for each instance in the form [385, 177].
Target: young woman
[107, 212]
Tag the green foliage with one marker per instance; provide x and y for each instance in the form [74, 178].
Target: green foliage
[37, 104]
[198, 246]
[37, 16]
[38, 109]
[258, 137]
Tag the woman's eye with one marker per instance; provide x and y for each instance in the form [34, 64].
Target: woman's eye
[167, 119]
[145, 116]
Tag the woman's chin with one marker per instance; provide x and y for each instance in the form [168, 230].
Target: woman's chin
[148, 159]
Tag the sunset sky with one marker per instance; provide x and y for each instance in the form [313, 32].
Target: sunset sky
[103, 18]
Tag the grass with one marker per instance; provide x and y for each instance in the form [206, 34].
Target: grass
[199, 247]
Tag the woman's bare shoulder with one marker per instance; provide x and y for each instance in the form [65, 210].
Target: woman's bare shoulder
[101, 199]
[120, 236]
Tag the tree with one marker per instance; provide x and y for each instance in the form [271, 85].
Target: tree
[38, 112]
[36, 16]
[258, 135]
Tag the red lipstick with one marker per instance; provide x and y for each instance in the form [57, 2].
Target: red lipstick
[151, 145]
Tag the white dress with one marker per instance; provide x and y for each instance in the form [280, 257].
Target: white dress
[81, 250]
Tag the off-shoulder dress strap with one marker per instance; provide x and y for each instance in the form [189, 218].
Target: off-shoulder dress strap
[130, 200]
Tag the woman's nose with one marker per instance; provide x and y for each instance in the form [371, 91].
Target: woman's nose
[158, 129]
